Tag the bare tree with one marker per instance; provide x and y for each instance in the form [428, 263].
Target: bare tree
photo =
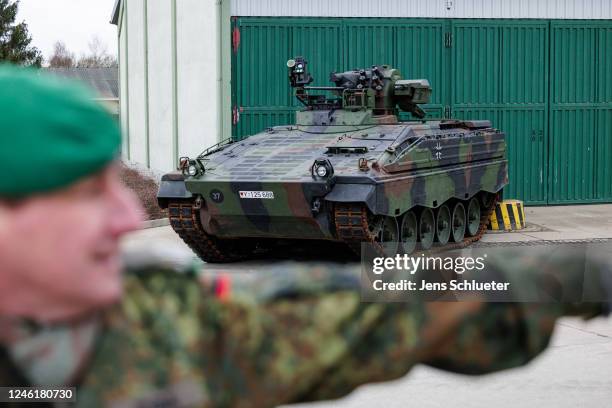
[98, 56]
[62, 57]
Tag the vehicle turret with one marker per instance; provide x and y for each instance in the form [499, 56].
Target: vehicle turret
[379, 89]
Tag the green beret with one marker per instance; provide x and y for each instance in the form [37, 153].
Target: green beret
[52, 133]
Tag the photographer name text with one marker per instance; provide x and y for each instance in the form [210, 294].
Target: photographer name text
[454, 285]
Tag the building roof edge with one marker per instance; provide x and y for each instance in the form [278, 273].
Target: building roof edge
[115, 15]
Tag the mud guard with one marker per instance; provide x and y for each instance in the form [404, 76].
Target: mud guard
[354, 193]
[172, 186]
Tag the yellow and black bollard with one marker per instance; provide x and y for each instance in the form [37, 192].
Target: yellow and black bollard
[509, 215]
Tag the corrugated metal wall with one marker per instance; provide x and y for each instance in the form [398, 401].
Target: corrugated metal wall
[500, 72]
[581, 109]
[525, 76]
[330, 45]
[539, 9]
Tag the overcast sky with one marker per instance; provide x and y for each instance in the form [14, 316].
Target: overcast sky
[72, 21]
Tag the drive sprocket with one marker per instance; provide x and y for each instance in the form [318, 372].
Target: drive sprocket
[184, 218]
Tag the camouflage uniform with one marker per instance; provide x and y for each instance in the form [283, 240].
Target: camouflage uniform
[188, 338]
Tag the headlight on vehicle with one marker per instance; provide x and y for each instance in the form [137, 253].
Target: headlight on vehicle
[322, 168]
[192, 170]
[321, 171]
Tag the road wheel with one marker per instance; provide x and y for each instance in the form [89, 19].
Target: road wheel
[458, 224]
[427, 228]
[443, 225]
[385, 232]
[409, 236]
[473, 217]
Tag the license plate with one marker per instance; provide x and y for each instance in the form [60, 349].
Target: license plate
[267, 195]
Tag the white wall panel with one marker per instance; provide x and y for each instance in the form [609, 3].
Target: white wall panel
[197, 76]
[561, 9]
[137, 81]
[160, 85]
[123, 85]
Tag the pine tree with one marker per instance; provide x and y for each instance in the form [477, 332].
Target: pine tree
[15, 39]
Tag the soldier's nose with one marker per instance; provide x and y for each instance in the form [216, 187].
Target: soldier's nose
[127, 212]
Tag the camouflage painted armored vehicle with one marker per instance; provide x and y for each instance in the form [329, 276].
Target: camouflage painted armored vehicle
[347, 171]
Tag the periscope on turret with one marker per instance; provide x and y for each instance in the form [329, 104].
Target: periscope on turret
[348, 170]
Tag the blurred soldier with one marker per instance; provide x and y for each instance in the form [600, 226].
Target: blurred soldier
[157, 336]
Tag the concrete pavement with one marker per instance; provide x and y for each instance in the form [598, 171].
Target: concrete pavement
[561, 223]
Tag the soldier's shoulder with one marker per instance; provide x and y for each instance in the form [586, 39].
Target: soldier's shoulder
[266, 280]
[156, 273]
[258, 280]
[160, 258]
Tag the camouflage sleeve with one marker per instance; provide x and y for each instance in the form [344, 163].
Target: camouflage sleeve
[464, 337]
[547, 285]
[284, 338]
[223, 341]
[290, 337]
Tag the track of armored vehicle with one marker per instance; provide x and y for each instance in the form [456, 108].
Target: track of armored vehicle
[348, 171]
[352, 226]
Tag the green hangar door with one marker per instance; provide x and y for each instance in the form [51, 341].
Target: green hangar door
[547, 84]
[581, 112]
[500, 72]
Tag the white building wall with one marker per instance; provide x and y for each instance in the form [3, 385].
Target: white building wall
[550, 9]
[161, 99]
[197, 86]
[170, 79]
[123, 88]
[137, 118]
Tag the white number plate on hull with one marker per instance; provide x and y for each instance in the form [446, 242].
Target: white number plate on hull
[268, 195]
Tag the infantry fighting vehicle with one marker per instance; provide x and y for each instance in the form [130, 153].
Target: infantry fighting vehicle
[347, 171]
